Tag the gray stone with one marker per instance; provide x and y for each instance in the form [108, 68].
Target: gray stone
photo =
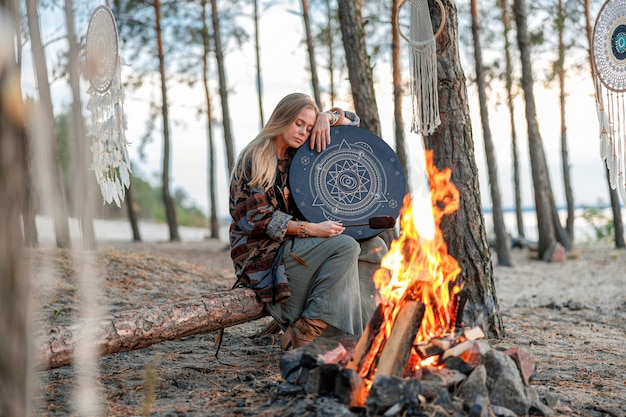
[538, 407]
[506, 388]
[290, 363]
[321, 380]
[500, 411]
[386, 391]
[480, 407]
[474, 385]
[350, 388]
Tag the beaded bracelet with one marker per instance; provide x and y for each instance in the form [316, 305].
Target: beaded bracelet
[302, 228]
[339, 112]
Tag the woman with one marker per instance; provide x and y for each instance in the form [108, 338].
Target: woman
[306, 273]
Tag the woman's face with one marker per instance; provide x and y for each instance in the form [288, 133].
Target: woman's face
[298, 131]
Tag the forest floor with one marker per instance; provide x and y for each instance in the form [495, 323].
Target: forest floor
[570, 316]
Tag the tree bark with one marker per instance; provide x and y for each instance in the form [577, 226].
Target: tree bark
[358, 62]
[502, 238]
[257, 56]
[331, 61]
[618, 225]
[310, 47]
[567, 181]
[214, 226]
[14, 282]
[58, 206]
[83, 196]
[136, 329]
[12, 8]
[219, 57]
[396, 64]
[170, 208]
[504, 5]
[132, 214]
[453, 147]
[540, 176]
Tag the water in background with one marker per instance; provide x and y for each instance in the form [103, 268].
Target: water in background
[120, 230]
[583, 231]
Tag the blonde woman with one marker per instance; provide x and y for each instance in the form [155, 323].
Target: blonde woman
[306, 273]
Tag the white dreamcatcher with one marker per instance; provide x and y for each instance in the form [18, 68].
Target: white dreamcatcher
[107, 130]
[609, 61]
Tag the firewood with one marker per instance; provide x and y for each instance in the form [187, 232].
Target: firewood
[397, 350]
[364, 344]
[135, 329]
[474, 333]
[457, 350]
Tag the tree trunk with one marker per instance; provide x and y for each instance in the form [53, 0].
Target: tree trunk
[214, 225]
[567, 181]
[358, 62]
[170, 208]
[396, 64]
[502, 239]
[132, 215]
[14, 369]
[331, 61]
[615, 205]
[310, 47]
[257, 56]
[83, 198]
[453, 147]
[618, 225]
[541, 179]
[28, 216]
[219, 56]
[59, 211]
[136, 329]
[504, 5]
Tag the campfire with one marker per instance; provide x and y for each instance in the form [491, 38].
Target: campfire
[420, 298]
[416, 336]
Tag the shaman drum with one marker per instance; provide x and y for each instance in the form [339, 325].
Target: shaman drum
[357, 177]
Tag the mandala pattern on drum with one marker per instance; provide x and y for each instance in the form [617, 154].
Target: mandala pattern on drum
[357, 177]
[609, 45]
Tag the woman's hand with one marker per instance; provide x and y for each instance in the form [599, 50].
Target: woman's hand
[320, 134]
[326, 229]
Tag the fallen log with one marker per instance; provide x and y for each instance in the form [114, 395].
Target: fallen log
[139, 328]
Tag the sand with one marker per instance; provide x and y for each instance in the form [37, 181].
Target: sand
[570, 316]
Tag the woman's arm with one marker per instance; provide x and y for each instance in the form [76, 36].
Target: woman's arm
[320, 134]
[327, 228]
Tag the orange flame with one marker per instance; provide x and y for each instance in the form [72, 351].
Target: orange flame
[421, 269]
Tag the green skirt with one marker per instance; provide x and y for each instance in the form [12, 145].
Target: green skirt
[325, 283]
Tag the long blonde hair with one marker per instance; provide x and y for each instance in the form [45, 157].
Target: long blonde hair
[260, 153]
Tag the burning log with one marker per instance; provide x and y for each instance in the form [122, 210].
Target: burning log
[397, 350]
[144, 327]
[366, 340]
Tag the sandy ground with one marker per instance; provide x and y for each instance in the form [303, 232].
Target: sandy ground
[570, 316]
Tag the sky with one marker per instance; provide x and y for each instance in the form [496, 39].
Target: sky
[284, 65]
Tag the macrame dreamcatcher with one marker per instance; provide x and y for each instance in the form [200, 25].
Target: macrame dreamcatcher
[609, 61]
[110, 160]
[423, 64]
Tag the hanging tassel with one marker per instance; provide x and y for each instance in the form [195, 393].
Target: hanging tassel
[423, 69]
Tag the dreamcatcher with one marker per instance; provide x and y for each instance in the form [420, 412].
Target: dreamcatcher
[110, 160]
[423, 64]
[609, 61]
